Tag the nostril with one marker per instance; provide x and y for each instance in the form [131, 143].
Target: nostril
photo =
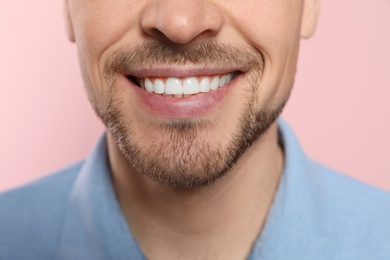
[189, 22]
[157, 34]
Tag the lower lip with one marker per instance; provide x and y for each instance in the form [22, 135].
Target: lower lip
[193, 106]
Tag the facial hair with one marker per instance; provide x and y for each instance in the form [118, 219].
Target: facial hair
[185, 159]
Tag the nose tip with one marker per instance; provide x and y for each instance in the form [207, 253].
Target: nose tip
[180, 22]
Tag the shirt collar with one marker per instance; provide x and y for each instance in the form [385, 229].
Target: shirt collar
[95, 228]
[295, 213]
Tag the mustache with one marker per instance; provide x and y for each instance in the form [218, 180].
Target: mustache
[153, 53]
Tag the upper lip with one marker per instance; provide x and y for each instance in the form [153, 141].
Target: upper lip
[180, 72]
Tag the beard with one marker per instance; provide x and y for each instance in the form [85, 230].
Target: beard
[183, 158]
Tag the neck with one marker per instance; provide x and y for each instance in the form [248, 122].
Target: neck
[170, 223]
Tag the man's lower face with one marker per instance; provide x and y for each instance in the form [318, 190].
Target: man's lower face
[185, 149]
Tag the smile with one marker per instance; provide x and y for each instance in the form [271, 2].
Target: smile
[180, 87]
[184, 94]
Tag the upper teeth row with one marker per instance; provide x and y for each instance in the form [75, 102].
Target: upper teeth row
[186, 86]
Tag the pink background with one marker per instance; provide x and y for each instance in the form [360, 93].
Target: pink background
[339, 108]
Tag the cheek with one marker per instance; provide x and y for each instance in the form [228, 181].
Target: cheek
[266, 22]
[273, 28]
[92, 32]
[100, 24]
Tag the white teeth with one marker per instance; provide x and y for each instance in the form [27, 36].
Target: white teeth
[148, 85]
[191, 86]
[173, 86]
[205, 85]
[159, 86]
[185, 87]
[229, 77]
[214, 83]
[222, 81]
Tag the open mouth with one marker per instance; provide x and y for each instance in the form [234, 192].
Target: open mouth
[180, 87]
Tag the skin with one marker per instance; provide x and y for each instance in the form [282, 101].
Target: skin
[222, 219]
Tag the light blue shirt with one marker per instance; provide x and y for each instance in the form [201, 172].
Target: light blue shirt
[316, 214]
